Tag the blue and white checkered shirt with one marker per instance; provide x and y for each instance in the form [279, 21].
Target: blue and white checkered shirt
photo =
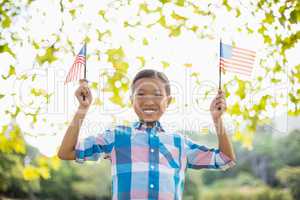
[149, 163]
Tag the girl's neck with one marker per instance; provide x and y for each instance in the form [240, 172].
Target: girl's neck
[148, 124]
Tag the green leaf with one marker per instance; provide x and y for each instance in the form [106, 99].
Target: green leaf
[5, 48]
[94, 85]
[48, 56]
[294, 99]
[195, 74]
[142, 59]
[33, 77]
[250, 30]
[238, 12]
[144, 7]
[117, 100]
[262, 29]
[165, 1]
[165, 64]
[72, 12]
[295, 16]
[1, 96]
[267, 39]
[115, 55]
[274, 104]
[277, 68]
[103, 34]
[122, 66]
[282, 20]
[290, 41]
[38, 92]
[269, 18]
[23, 77]
[194, 28]
[180, 2]
[274, 80]
[261, 3]
[234, 109]
[11, 72]
[278, 39]
[102, 13]
[162, 21]
[228, 7]
[175, 31]
[282, 9]
[262, 103]
[14, 115]
[241, 91]
[6, 22]
[178, 17]
[35, 45]
[145, 42]
[260, 78]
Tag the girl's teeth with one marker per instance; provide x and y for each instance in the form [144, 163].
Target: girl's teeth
[149, 111]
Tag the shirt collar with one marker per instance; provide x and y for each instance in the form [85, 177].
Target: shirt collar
[141, 125]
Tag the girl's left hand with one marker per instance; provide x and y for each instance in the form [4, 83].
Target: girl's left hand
[218, 106]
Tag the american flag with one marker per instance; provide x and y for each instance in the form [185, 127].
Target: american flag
[236, 60]
[75, 72]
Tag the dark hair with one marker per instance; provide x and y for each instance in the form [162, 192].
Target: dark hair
[150, 73]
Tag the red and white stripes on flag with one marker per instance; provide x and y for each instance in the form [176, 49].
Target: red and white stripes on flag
[75, 72]
[236, 60]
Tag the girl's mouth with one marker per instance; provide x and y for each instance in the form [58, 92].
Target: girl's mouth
[149, 111]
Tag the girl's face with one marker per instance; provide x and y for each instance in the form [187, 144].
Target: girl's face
[149, 99]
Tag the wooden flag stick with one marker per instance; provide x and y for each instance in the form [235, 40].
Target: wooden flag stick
[220, 73]
[85, 61]
[220, 76]
[84, 76]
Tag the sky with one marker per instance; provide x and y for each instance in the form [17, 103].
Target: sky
[184, 114]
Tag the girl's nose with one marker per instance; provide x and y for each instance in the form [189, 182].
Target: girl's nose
[149, 102]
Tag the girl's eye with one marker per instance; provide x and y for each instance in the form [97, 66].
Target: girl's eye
[140, 94]
[157, 94]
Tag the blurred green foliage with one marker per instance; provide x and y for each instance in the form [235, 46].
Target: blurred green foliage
[289, 177]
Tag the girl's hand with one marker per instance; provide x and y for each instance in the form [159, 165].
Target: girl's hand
[218, 106]
[84, 90]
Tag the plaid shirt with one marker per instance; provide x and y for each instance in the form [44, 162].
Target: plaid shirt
[149, 163]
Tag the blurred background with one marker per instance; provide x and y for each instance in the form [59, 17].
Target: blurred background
[38, 44]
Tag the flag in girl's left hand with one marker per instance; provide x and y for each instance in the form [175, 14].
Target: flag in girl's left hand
[236, 60]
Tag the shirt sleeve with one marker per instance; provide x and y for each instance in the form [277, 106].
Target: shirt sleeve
[93, 147]
[199, 157]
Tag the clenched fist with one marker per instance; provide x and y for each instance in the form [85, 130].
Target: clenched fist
[218, 106]
[83, 94]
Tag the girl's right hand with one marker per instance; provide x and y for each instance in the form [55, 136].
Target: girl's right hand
[84, 90]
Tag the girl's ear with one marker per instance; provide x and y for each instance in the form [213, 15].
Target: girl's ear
[131, 99]
[169, 100]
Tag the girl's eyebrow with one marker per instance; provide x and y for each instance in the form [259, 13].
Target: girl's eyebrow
[155, 90]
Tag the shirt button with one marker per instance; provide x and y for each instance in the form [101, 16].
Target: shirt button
[151, 135]
[152, 150]
[151, 186]
[152, 167]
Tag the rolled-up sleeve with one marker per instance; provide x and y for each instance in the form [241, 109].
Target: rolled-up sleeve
[93, 147]
[199, 157]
